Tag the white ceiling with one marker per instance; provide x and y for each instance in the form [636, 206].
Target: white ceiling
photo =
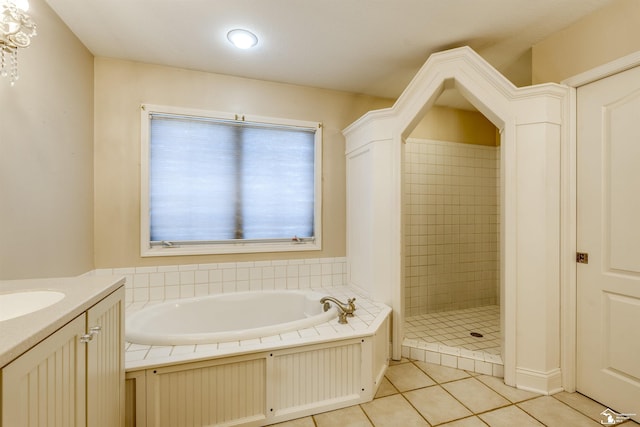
[364, 46]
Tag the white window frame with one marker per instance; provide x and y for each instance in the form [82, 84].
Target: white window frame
[147, 250]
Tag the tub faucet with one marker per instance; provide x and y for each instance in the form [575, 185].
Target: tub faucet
[344, 310]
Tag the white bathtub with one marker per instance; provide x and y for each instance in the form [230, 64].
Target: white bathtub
[226, 317]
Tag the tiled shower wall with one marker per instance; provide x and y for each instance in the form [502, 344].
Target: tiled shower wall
[451, 215]
[185, 281]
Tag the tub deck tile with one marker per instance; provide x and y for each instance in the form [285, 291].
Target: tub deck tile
[136, 355]
[290, 335]
[183, 349]
[309, 332]
[228, 344]
[367, 317]
[204, 348]
[271, 339]
[159, 351]
[254, 341]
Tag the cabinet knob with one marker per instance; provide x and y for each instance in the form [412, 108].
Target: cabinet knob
[93, 331]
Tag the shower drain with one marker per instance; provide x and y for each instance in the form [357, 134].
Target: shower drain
[476, 334]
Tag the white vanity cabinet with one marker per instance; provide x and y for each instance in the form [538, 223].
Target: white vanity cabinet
[74, 377]
[105, 363]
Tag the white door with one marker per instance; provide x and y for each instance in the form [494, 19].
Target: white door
[608, 203]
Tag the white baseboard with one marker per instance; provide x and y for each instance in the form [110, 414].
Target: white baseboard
[539, 382]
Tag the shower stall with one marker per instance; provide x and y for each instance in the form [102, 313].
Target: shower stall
[451, 217]
[452, 261]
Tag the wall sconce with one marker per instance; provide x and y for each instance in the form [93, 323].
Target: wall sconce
[16, 30]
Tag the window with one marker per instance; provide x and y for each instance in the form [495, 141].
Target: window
[221, 183]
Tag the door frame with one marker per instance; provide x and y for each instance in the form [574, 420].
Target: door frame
[568, 265]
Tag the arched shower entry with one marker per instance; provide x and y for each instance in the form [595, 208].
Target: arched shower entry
[533, 130]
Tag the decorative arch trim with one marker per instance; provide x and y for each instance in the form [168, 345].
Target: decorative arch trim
[531, 123]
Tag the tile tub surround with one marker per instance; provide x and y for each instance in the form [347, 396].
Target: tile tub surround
[452, 220]
[355, 358]
[149, 285]
[184, 281]
[367, 319]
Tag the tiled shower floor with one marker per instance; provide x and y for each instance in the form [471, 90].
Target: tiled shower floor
[454, 328]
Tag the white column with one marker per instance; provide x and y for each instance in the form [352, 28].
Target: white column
[538, 257]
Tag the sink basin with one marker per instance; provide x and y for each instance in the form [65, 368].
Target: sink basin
[20, 303]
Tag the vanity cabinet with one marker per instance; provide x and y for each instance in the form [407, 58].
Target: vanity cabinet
[105, 363]
[74, 377]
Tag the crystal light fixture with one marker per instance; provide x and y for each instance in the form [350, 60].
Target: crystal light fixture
[16, 30]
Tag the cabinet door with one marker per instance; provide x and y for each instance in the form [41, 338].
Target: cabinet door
[105, 362]
[46, 385]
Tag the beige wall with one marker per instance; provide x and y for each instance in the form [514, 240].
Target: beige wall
[46, 156]
[122, 86]
[449, 124]
[601, 37]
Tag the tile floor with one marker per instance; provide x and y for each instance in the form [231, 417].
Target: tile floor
[453, 328]
[415, 393]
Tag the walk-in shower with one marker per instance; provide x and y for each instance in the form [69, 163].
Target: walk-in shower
[534, 148]
[451, 217]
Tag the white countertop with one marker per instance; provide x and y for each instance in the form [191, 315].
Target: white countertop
[19, 334]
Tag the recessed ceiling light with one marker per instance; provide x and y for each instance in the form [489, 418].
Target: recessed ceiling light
[242, 39]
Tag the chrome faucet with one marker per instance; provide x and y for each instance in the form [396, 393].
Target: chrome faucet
[344, 310]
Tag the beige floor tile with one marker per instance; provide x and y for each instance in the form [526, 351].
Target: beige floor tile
[583, 404]
[393, 411]
[465, 422]
[509, 417]
[475, 395]
[352, 416]
[385, 389]
[407, 376]
[441, 374]
[299, 422]
[553, 413]
[398, 362]
[511, 393]
[436, 405]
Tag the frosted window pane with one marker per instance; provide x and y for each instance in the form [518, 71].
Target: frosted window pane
[192, 181]
[277, 190]
[212, 181]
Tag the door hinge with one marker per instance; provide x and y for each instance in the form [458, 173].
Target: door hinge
[582, 258]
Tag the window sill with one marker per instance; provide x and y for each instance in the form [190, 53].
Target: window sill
[232, 248]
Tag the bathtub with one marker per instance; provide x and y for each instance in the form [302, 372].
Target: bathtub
[252, 382]
[226, 317]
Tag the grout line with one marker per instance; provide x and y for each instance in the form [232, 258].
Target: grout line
[365, 414]
[473, 413]
[531, 415]
[575, 409]
[414, 408]
[313, 420]
[471, 375]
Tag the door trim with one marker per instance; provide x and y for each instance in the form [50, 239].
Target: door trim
[605, 70]
[568, 265]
